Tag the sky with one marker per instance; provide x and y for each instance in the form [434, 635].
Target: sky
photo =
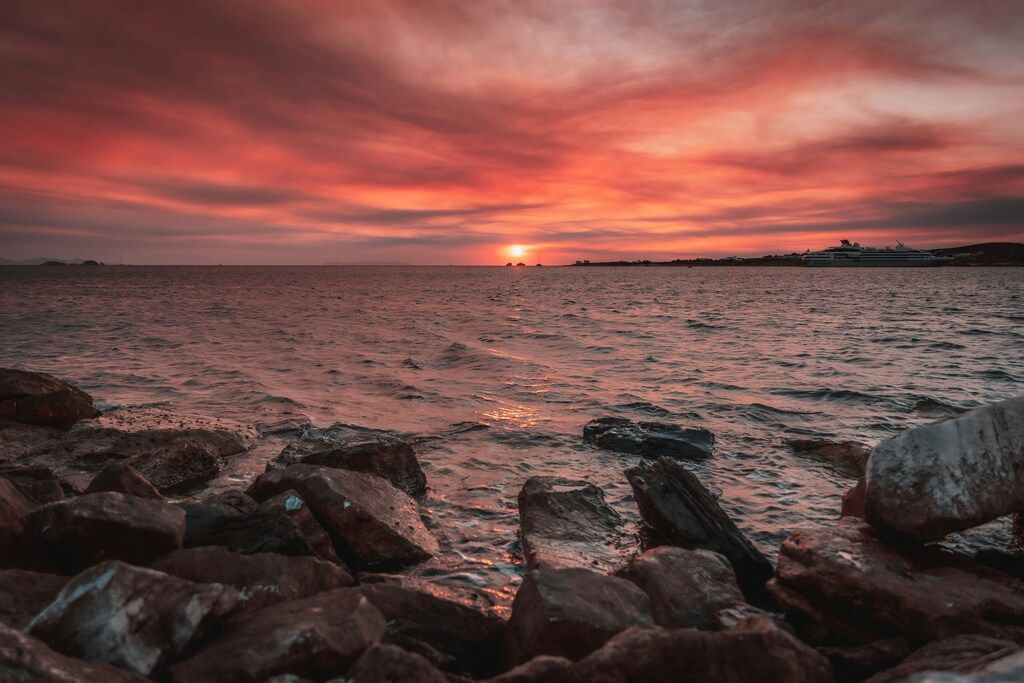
[307, 132]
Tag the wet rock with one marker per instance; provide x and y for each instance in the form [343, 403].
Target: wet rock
[857, 663]
[543, 669]
[315, 637]
[14, 507]
[930, 407]
[24, 593]
[571, 612]
[38, 482]
[130, 617]
[262, 579]
[860, 589]
[235, 499]
[689, 588]
[23, 658]
[961, 654]
[382, 454]
[650, 439]
[679, 508]
[453, 636]
[392, 664]
[949, 476]
[290, 504]
[755, 650]
[83, 531]
[371, 522]
[40, 399]
[180, 465]
[849, 457]
[122, 478]
[566, 523]
[853, 502]
[258, 532]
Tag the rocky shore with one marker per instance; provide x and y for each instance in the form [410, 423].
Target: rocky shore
[114, 565]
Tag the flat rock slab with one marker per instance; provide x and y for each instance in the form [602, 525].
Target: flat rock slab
[650, 439]
[385, 455]
[949, 476]
[849, 457]
[316, 638]
[677, 506]
[23, 658]
[372, 523]
[23, 594]
[566, 523]
[84, 531]
[39, 399]
[130, 617]
[850, 582]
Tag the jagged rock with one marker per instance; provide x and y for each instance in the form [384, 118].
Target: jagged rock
[180, 465]
[262, 579]
[676, 505]
[83, 531]
[382, 454]
[235, 499]
[689, 588]
[543, 669]
[371, 522]
[570, 613]
[38, 482]
[290, 504]
[122, 478]
[754, 650]
[858, 662]
[315, 637]
[853, 501]
[960, 654]
[130, 617]
[849, 581]
[23, 594]
[650, 439]
[39, 399]
[949, 476]
[849, 457]
[29, 660]
[14, 507]
[566, 523]
[453, 636]
[391, 664]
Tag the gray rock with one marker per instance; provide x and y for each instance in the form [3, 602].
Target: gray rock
[650, 439]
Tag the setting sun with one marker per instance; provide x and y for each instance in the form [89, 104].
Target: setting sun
[516, 250]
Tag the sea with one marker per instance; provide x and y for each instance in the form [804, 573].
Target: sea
[494, 372]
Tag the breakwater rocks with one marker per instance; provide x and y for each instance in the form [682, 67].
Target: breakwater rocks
[105, 577]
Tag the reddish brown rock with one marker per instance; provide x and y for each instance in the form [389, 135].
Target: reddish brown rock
[849, 457]
[382, 454]
[26, 659]
[262, 579]
[566, 523]
[37, 481]
[130, 617]
[960, 654]
[570, 613]
[543, 669]
[846, 579]
[39, 399]
[14, 507]
[84, 531]
[859, 662]
[316, 637]
[290, 504]
[23, 594]
[122, 478]
[180, 465]
[371, 522]
[392, 664]
[853, 502]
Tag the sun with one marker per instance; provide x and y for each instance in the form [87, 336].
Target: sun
[516, 250]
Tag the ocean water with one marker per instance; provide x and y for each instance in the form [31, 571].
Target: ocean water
[497, 369]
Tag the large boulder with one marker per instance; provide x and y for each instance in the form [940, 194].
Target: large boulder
[650, 439]
[959, 654]
[860, 589]
[39, 399]
[571, 612]
[122, 478]
[180, 465]
[262, 579]
[130, 617]
[683, 512]
[689, 588]
[566, 523]
[315, 637]
[391, 664]
[24, 593]
[949, 476]
[84, 531]
[371, 522]
[384, 454]
[24, 659]
[849, 457]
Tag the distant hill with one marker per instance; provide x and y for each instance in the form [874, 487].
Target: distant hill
[986, 254]
[41, 260]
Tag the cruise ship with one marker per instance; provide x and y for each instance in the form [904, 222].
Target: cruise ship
[852, 255]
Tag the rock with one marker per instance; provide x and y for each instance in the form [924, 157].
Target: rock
[130, 617]
[649, 439]
[853, 502]
[755, 650]
[929, 407]
[846, 579]
[23, 594]
[84, 531]
[383, 454]
[391, 664]
[122, 478]
[857, 663]
[14, 507]
[1011, 563]
[20, 441]
[262, 579]
[235, 499]
[849, 457]
[26, 659]
[689, 588]
[543, 669]
[315, 637]
[674, 502]
[571, 612]
[38, 482]
[958, 654]
[180, 465]
[290, 504]
[371, 522]
[566, 523]
[452, 636]
[38, 399]
[949, 476]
